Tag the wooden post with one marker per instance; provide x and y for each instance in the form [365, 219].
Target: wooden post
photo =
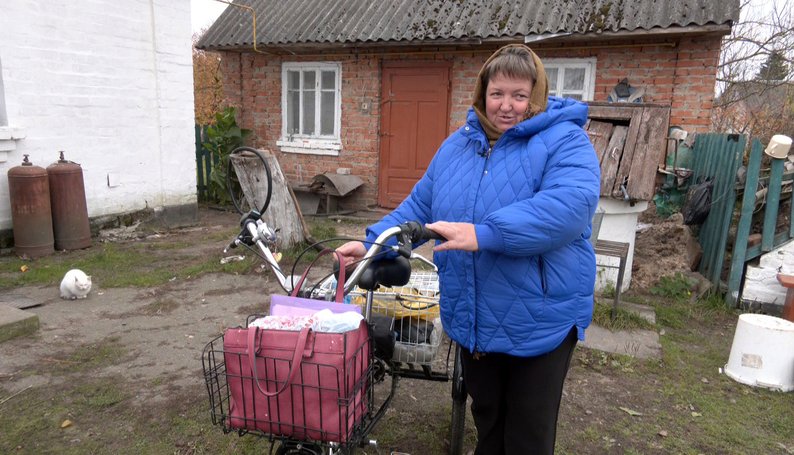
[739, 256]
[282, 213]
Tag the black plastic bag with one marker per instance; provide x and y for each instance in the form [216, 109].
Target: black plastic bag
[698, 202]
[383, 335]
[414, 331]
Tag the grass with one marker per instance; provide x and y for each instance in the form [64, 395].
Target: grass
[623, 320]
[110, 263]
[145, 264]
[687, 406]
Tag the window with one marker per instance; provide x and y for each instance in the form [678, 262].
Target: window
[572, 78]
[310, 108]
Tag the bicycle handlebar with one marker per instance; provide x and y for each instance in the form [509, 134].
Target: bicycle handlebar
[407, 233]
[255, 231]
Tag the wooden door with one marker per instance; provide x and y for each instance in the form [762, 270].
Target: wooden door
[414, 122]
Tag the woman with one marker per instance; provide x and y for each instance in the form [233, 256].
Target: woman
[513, 192]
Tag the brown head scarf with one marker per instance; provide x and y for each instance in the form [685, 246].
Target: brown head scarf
[512, 61]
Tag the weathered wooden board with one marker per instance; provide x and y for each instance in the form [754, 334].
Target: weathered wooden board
[610, 111]
[634, 155]
[282, 213]
[611, 161]
[599, 133]
[649, 151]
[622, 173]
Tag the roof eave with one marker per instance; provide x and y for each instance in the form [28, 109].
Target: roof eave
[690, 30]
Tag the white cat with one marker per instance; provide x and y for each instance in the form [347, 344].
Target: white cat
[75, 285]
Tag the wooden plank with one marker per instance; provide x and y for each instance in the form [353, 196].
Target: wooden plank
[611, 112]
[609, 166]
[283, 212]
[629, 148]
[739, 256]
[649, 152]
[772, 205]
[600, 133]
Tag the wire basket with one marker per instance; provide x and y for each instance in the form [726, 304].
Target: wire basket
[415, 313]
[289, 415]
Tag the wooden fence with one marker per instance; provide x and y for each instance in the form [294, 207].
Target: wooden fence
[771, 191]
[204, 163]
[719, 156]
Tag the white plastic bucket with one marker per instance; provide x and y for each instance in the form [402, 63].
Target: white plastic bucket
[762, 353]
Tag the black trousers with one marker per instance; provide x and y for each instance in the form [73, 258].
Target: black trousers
[515, 400]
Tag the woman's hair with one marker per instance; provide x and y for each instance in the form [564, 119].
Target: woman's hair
[512, 62]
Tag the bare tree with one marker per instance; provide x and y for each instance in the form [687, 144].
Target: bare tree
[749, 101]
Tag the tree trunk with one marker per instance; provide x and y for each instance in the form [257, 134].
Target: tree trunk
[282, 213]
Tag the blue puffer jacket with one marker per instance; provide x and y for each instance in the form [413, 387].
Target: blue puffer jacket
[531, 199]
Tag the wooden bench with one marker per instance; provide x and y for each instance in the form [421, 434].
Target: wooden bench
[616, 250]
[613, 249]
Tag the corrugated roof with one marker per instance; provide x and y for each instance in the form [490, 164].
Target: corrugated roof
[303, 22]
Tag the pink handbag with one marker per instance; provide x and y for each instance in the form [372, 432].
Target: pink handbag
[304, 385]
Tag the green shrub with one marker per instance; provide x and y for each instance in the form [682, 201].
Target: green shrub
[222, 138]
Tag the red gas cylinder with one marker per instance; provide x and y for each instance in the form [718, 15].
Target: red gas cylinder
[29, 191]
[69, 213]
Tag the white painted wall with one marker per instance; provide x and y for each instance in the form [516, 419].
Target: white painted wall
[109, 82]
[619, 225]
[760, 282]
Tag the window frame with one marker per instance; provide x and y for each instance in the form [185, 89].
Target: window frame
[589, 65]
[309, 143]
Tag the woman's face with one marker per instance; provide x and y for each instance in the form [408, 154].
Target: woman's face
[506, 101]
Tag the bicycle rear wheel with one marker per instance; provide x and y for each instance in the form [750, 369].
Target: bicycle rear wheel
[248, 180]
[457, 426]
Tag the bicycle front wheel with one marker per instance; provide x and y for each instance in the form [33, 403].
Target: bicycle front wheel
[248, 180]
[296, 448]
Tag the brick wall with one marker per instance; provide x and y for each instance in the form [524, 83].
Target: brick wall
[681, 75]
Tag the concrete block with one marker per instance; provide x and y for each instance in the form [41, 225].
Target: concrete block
[15, 322]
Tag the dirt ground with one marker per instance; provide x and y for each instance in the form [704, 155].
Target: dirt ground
[158, 335]
[660, 248]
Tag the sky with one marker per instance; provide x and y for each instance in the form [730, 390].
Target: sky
[204, 12]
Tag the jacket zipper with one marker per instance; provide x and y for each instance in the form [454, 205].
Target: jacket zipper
[487, 156]
[542, 271]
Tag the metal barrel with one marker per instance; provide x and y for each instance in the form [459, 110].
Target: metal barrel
[31, 215]
[69, 212]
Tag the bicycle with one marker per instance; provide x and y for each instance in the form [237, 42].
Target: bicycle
[379, 285]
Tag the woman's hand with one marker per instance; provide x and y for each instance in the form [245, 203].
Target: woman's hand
[460, 236]
[352, 252]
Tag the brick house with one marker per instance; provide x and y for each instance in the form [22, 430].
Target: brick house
[376, 86]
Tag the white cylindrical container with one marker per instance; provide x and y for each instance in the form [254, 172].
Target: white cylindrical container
[762, 353]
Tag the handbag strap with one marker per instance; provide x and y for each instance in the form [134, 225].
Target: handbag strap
[300, 345]
[340, 283]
